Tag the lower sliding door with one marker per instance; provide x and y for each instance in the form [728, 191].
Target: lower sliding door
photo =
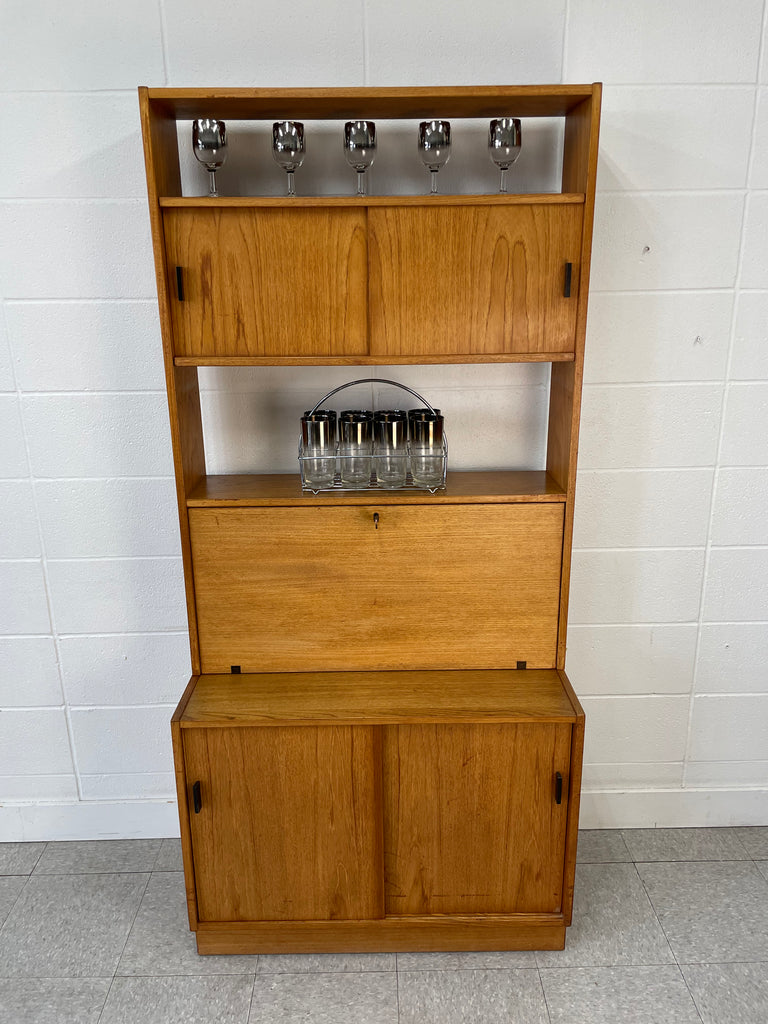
[285, 822]
[475, 817]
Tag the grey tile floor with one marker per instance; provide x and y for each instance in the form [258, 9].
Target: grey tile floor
[670, 925]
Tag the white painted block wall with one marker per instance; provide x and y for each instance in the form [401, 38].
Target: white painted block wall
[668, 646]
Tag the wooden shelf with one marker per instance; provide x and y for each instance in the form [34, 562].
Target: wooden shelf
[378, 698]
[337, 104]
[518, 199]
[463, 488]
[376, 360]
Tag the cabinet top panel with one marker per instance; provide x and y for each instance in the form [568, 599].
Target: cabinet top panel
[464, 101]
[378, 698]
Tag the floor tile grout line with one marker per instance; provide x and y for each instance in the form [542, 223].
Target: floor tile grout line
[133, 923]
[253, 990]
[106, 998]
[191, 974]
[397, 987]
[16, 900]
[630, 967]
[693, 1000]
[543, 993]
[39, 858]
[436, 970]
[655, 912]
[107, 871]
[698, 860]
[157, 857]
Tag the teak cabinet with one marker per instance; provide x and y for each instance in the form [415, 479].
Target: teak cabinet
[379, 748]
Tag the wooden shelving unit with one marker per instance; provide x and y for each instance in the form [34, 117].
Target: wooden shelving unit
[379, 748]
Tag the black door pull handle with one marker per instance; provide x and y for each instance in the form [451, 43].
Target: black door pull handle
[197, 799]
[558, 788]
[567, 284]
[179, 284]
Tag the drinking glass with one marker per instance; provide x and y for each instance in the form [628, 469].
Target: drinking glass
[390, 452]
[434, 147]
[209, 144]
[288, 148]
[504, 141]
[426, 449]
[360, 148]
[355, 447]
[318, 444]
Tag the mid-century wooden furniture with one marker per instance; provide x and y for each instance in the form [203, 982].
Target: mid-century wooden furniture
[379, 748]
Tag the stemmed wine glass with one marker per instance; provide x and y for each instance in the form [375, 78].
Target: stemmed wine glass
[504, 141]
[288, 148]
[209, 142]
[360, 148]
[434, 147]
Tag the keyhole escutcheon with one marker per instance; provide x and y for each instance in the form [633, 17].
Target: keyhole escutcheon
[376, 520]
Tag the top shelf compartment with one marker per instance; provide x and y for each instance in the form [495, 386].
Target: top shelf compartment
[573, 105]
[373, 279]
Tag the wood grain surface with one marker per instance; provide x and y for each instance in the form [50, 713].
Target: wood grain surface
[470, 819]
[395, 102]
[356, 202]
[580, 154]
[439, 932]
[463, 487]
[161, 158]
[429, 587]
[179, 769]
[473, 279]
[290, 824]
[358, 360]
[367, 698]
[574, 797]
[268, 282]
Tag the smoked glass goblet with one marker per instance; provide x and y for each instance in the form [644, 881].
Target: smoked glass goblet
[288, 148]
[504, 141]
[360, 148]
[434, 147]
[209, 143]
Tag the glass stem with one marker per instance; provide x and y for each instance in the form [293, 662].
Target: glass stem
[291, 186]
[212, 193]
[361, 183]
[503, 182]
[433, 189]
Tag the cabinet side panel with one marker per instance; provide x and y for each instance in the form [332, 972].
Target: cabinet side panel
[287, 827]
[576, 147]
[582, 129]
[161, 158]
[177, 740]
[331, 588]
[473, 280]
[471, 825]
[189, 459]
[269, 282]
[574, 799]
